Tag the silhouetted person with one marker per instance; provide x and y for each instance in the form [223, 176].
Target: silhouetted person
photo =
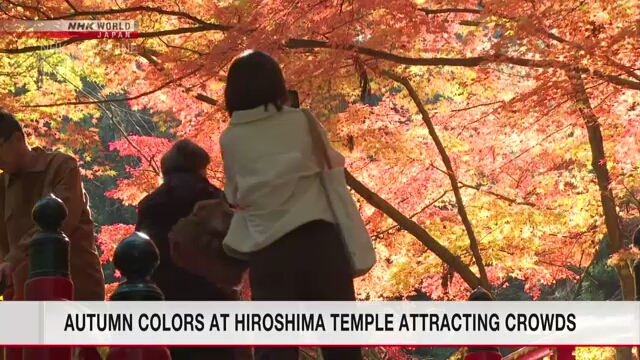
[284, 224]
[185, 184]
[29, 174]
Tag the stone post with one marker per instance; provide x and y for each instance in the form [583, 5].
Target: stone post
[136, 257]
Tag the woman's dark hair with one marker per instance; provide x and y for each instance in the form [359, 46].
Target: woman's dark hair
[184, 156]
[254, 79]
[9, 125]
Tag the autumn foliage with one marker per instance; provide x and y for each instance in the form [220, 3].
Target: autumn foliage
[497, 124]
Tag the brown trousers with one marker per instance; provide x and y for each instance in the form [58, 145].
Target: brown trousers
[309, 263]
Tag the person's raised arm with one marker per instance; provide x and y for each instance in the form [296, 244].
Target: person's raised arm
[66, 185]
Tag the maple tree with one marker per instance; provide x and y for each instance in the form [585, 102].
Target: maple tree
[502, 136]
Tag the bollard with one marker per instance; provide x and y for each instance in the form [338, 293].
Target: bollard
[49, 276]
[482, 353]
[136, 257]
[565, 353]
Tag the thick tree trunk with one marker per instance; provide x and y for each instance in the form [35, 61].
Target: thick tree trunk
[414, 229]
[612, 221]
[462, 210]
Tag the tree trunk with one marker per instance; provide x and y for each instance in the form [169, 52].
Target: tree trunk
[462, 210]
[414, 229]
[612, 221]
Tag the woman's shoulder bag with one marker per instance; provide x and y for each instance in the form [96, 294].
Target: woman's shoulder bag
[196, 244]
[355, 235]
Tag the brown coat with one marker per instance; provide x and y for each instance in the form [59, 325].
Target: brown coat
[53, 173]
[196, 245]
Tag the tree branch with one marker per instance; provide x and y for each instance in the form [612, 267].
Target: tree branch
[378, 54]
[382, 232]
[536, 30]
[498, 195]
[144, 53]
[147, 9]
[583, 276]
[473, 241]
[599, 165]
[462, 62]
[415, 230]
[35, 9]
[574, 45]
[142, 35]
[142, 154]
[110, 115]
[489, 192]
[450, 11]
[129, 98]
[70, 4]
[447, 11]
[207, 99]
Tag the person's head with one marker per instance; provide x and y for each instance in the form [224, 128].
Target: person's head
[255, 79]
[184, 156]
[13, 144]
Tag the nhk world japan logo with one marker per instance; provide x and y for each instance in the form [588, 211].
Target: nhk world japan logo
[68, 29]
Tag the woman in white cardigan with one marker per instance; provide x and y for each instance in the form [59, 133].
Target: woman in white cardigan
[283, 223]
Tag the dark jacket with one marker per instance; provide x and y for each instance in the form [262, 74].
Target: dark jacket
[158, 212]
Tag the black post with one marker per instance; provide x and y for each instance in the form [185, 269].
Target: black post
[49, 276]
[137, 257]
[480, 294]
[49, 248]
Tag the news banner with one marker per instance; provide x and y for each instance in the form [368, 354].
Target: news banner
[247, 323]
[71, 29]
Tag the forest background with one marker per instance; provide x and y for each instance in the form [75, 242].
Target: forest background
[489, 143]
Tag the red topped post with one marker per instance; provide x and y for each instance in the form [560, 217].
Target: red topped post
[136, 257]
[565, 353]
[49, 276]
